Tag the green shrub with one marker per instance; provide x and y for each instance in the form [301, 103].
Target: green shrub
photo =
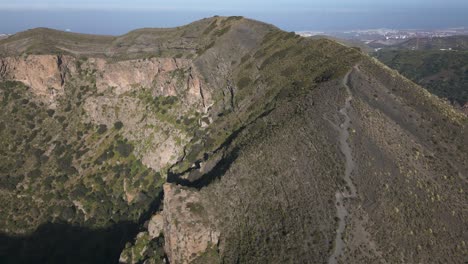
[118, 125]
[203, 50]
[245, 58]
[244, 82]
[259, 54]
[279, 55]
[60, 119]
[193, 154]
[210, 28]
[288, 71]
[124, 148]
[289, 35]
[223, 31]
[102, 129]
[195, 208]
[34, 173]
[109, 153]
[169, 100]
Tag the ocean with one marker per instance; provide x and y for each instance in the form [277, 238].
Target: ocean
[120, 22]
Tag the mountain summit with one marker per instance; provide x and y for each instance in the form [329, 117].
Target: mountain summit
[223, 141]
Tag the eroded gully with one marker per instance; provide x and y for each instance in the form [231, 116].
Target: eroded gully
[350, 191]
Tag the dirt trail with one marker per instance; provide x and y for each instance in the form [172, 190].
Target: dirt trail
[350, 190]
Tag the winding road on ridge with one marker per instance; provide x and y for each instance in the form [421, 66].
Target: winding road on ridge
[350, 190]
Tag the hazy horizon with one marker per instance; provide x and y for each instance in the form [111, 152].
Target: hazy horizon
[118, 17]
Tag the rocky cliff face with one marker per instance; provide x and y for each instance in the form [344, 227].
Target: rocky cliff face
[151, 106]
[45, 74]
[164, 76]
[175, 79]
[187, 229]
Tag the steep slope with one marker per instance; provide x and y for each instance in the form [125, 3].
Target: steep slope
[226, 140]
[275, 199]
[443, 72]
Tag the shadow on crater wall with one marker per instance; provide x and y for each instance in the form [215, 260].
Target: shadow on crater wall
[63, 243]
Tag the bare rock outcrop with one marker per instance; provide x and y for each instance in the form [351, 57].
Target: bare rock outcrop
[124, 89]
[164, 76]
[156, 140]
[156, 225]
[187, 229]
[44, 74]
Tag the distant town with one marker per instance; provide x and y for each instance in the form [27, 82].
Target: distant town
[388, 36]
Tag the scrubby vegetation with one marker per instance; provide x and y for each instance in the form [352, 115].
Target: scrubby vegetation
[257, 141]
[144, 248]
[77, 172]
[443, 73]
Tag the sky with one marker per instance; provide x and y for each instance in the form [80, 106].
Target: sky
[237, 5]
[119, 16]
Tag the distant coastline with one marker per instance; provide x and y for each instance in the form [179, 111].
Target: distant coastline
[106, 22]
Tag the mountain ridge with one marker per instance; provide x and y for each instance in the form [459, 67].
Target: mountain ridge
[224, 131]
